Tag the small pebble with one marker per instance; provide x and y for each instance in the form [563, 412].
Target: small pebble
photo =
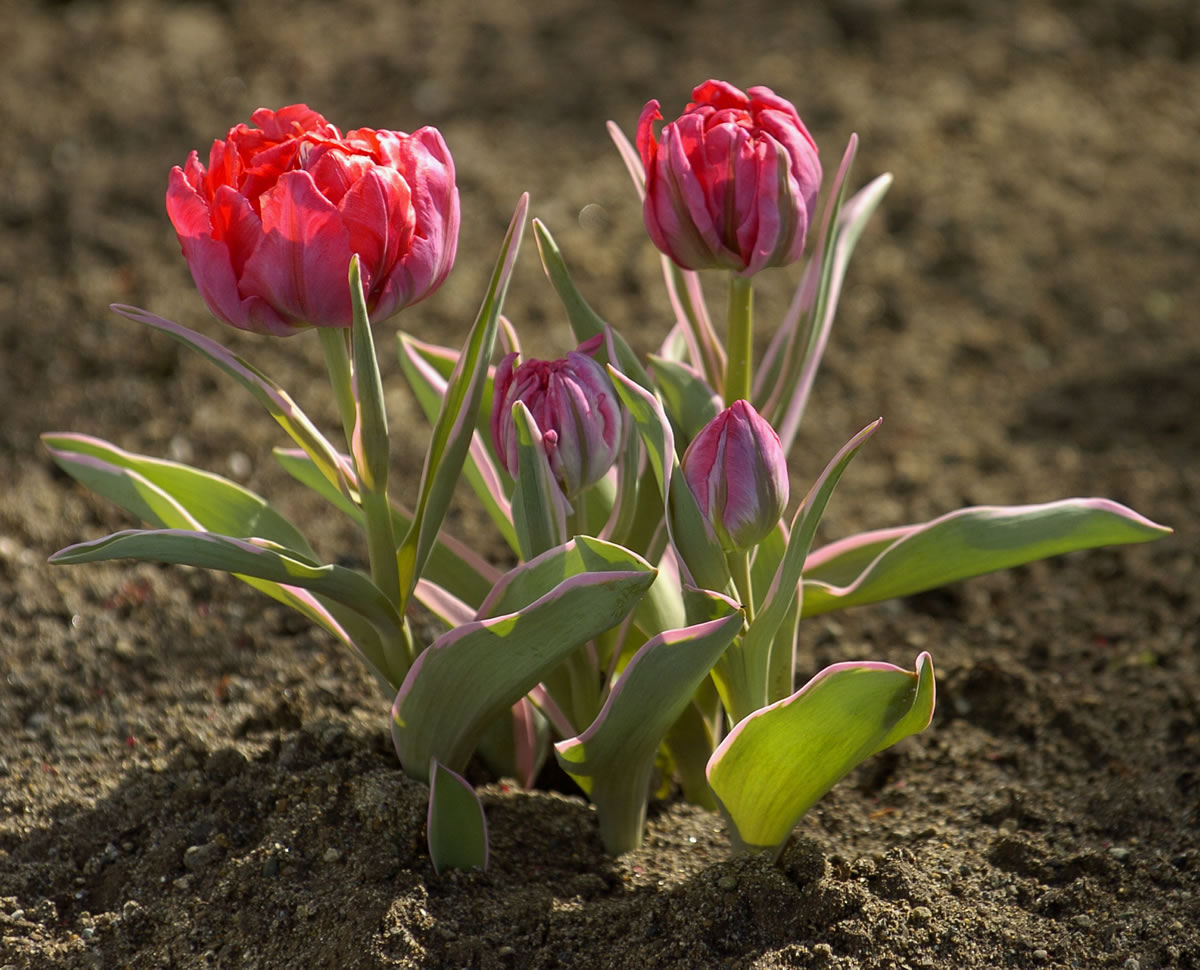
[1120, 853]
[1131, 964]
[1041, 956]
[728, 883]
[920, 915]
[332, 855]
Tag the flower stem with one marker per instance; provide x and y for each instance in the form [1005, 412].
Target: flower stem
[739, 569]
[335, 344]
[740, 340]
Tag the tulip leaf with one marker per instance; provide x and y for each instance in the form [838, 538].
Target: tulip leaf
[532, 580]
[452, 564]
[539, 508]
[425, 366]
[690, 535]
[174, 496]
[273, 397]
[257, 558]
[895, 562]
[775, 764]
[472, 674]
[852, 220]
[613, 759]
[456, 826]
[790, 348]
[455, 425]
[687, 398]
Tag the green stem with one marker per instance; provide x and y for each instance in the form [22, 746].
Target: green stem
[739, 569]
[740, 340]
[377, 515]
[335, 344]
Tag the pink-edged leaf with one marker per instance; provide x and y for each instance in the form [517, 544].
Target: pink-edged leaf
[539, 507]
[472, 674]
[452, 564]
[787, 343]
[614, 758]
[901, 561]
[851, 222]
[455, 427]
[274, 398]
[456, 826]
[776, 764]
[427, 368]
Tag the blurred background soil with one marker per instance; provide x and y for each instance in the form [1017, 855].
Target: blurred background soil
[191, 777]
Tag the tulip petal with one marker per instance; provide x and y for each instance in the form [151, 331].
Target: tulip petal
[211, 260]
[379, 218]
[300, 264]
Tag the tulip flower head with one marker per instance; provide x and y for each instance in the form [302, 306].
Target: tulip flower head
[736, 469]
[575, 407]
[268, 228]
[732, 183]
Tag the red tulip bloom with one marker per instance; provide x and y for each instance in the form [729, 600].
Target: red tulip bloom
[733, 182]
[269, 227]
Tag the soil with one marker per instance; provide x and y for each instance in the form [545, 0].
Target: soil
[192, 777]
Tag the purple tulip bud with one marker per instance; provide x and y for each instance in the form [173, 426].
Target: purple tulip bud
[732, 184]
[576, 410]
[736, 470]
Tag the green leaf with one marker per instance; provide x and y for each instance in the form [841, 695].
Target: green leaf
[273, 397]
[456, 423]
[456, 827]
[688, 400]
[209, 502]
[257, 558]
[452, 564]
[539, 509]
[882, 565]
[613, 759]
[472, 674]
[775, 765]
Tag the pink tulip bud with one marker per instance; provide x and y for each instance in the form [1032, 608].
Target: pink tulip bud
[733, 182]
[576, 410]
[736, 470]
[268, 228]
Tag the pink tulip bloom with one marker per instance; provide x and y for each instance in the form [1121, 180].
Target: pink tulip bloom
[733, 182]
[268, 228]
[736, 469]
[576, 410]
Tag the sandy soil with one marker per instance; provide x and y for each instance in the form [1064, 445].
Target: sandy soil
[190, 777]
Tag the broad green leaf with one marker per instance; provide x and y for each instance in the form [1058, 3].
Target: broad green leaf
[613, 759]
[744, 676]
[687, 398]
[213, 503]
[257, 558]
[175, 496]
[456, 826]
[775, 765]
[273, 397]
[539, 509]
[472, 674]
[532, 580]
[699, 549]
[455, 425]
[452, 564]
[882, 565]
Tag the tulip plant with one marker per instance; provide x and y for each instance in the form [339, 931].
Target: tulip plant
[647, 635]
